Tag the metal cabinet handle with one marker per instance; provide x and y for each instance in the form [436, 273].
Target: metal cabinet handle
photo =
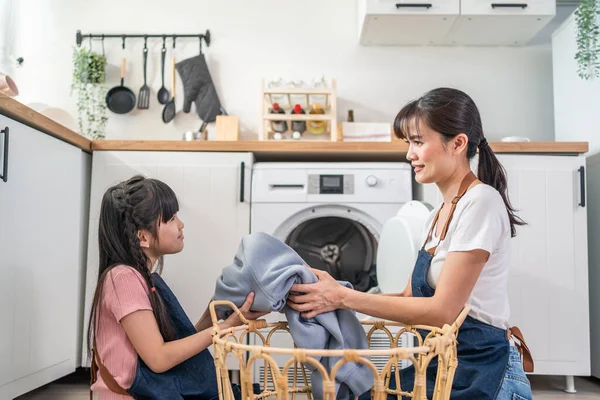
[242, 180]
[509, 5]
[582, 185]
[4, 175]
[410, 5]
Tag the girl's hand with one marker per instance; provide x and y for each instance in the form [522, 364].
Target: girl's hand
[234, 320]
[322, 296]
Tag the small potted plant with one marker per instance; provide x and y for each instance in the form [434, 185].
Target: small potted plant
[587, 17]
[89, 76]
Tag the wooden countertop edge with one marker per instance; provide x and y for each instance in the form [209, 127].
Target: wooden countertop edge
[25, 115]
[318, 147]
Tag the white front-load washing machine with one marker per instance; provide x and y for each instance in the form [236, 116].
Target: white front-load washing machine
[332, 215]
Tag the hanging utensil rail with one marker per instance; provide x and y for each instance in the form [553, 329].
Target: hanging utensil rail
[81, 36]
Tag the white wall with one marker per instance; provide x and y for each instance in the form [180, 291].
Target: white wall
[576, 101]
[265, 38]
[7, 16]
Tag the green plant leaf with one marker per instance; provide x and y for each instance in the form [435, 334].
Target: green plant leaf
[588, 40]
[89, 76]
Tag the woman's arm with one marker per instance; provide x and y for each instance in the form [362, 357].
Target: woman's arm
[457, 279]
[160, 356]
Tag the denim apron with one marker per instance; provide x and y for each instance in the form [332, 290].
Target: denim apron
[482, 350]
[193, 379]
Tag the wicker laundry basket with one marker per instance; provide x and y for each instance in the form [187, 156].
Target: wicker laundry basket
[439, 343]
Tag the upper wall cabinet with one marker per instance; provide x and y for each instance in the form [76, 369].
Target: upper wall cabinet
[452, 22]
[500, 22]
[406, 22]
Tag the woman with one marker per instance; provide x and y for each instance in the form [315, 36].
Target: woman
[465, 256]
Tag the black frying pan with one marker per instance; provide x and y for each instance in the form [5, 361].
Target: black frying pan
[120, 99]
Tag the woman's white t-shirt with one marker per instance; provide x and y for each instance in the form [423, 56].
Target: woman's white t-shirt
[480, 221]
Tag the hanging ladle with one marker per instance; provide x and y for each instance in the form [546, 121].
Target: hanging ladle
[163, 93]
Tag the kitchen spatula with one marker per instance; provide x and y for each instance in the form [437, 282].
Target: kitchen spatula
[144, 95]
[169, 110]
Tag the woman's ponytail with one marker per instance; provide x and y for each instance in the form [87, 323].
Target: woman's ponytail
[491, 172]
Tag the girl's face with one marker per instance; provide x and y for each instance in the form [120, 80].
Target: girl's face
[169, 239]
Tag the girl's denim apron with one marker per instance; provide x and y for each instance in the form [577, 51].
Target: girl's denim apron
[193, 379]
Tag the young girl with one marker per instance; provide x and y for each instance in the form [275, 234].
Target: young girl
[465, 256]
[139, 338]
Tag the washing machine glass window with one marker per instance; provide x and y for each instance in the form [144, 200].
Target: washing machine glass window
[344, 248]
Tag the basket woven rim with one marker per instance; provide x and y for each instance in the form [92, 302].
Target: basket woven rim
[220, 336]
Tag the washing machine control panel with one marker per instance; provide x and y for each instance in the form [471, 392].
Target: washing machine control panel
[330, 184]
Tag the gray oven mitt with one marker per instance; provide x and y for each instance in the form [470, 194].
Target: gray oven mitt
[198, 87]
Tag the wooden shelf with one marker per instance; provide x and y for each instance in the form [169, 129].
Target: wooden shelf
[294, 91]
[266, 131]
[297, 117]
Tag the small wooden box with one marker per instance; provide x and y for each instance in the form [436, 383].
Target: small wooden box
[228, 127]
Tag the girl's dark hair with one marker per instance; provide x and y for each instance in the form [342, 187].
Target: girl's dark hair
[451, 112]
[135, 204]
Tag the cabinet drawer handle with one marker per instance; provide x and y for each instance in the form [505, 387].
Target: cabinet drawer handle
[242, 180]
[4, 175]
[410, 5]
[509, 5]
[582, 185]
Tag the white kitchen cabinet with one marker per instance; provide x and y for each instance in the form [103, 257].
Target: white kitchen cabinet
[452, 22]
[549, 276]
[500, 22]
[548, 288]
[43, 219]
[405, 22]
[213, 190]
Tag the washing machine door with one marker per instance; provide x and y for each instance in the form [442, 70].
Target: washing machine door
[343, 247]
[399, 244]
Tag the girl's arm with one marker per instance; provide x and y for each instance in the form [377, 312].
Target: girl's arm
[204, 322]
[160, 356]
[457, 279]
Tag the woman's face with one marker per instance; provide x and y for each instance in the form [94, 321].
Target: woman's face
[429, 155]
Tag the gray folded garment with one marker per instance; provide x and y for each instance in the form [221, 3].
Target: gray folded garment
[268, 267]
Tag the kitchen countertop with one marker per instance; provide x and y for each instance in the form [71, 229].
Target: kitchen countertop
[322, 150]
[264, 150]
[19, 112]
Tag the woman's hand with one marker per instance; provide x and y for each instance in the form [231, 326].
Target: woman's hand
[234, 320]
[322, 296]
